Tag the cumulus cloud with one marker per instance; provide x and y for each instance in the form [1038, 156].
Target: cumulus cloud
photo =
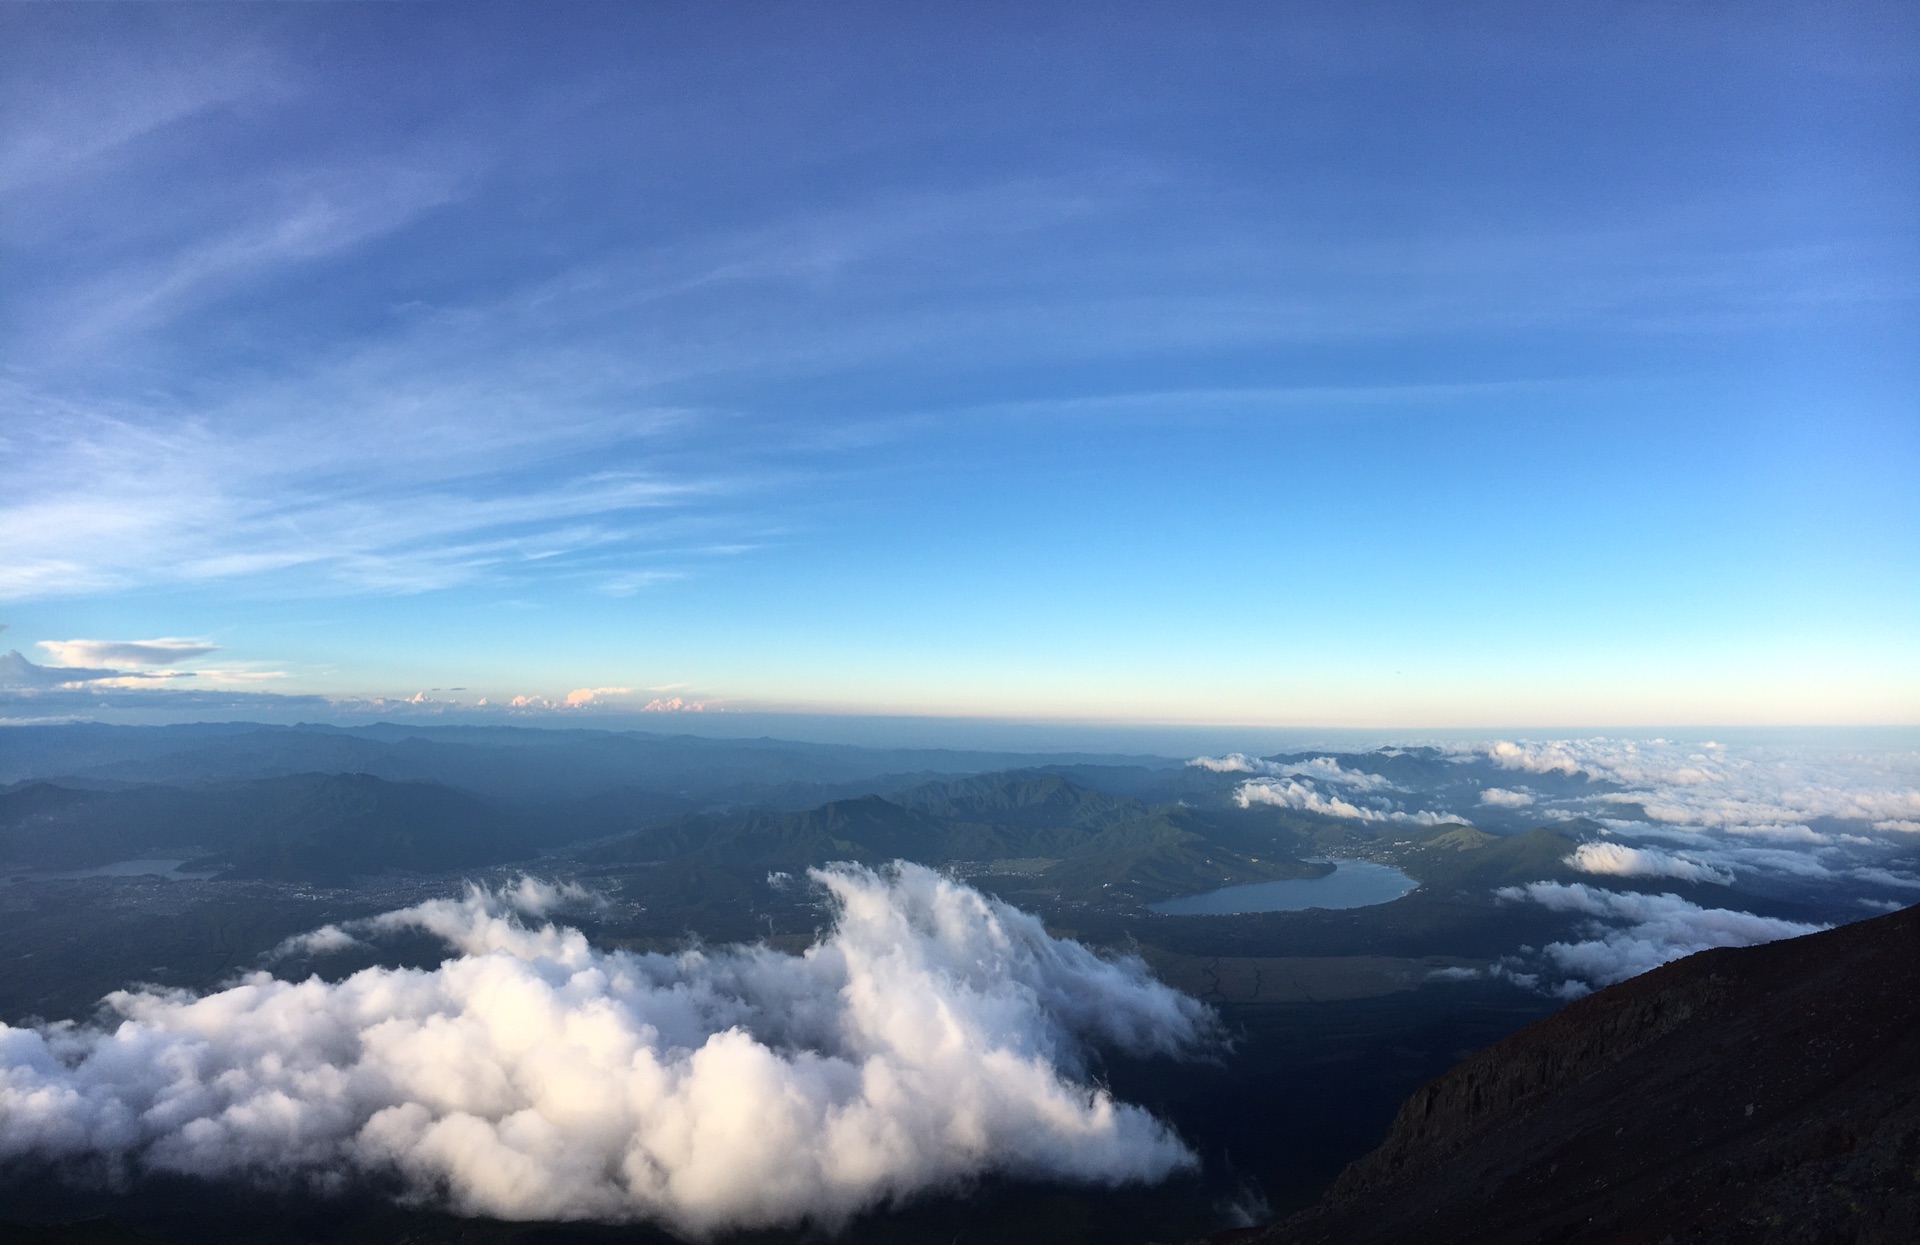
[1232, 763]
[166, 651]
[1501, 797]
[1294, 794]
[1619, 860]
[932, 1037]
[672, 704]
[323, 941]
[1630, 933]
[588, 695]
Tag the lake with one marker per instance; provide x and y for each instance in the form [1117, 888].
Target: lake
[1352, 884]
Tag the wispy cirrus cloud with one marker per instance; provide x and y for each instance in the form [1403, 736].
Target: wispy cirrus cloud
[321, 214]
[50, 132]
[101, 503]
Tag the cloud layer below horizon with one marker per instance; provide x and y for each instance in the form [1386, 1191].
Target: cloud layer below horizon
[933, 1037]
[1830, 831]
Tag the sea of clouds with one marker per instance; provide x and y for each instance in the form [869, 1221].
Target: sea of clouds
[932, 1037]
[1710, 812]
[1824, 823]
[1813, 821]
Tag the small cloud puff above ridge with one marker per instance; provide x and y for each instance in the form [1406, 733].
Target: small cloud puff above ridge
[1619, 860]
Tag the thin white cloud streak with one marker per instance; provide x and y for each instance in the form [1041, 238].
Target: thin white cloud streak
[1885, 877]
[303, 470]
[449, 393]
[165, 651]
[1501, 797]
[53, 131]
[934, 1036]
[1631, 933]
[104, 504]
[328, 213]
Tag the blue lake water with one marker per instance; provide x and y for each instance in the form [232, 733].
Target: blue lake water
[1352, 884]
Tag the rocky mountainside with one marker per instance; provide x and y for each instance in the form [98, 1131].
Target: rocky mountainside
[1755, 1094]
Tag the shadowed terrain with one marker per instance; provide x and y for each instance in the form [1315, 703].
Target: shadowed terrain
[1765, 1093]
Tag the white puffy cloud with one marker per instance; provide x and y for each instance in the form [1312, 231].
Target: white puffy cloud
[1500, 797]
[1292, 793]
[1232, 763]
[166, 651]
[323, 941]
[1619, 860]
[933, 1036]
[1631, 933]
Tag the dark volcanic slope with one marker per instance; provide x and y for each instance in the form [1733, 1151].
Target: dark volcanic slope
[1754, 1094]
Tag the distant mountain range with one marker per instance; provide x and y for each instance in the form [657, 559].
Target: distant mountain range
[323, 828]
[1086, 844]
[500, 762]
[330, 828]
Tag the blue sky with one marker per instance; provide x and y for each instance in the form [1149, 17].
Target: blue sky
[1345, 365]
